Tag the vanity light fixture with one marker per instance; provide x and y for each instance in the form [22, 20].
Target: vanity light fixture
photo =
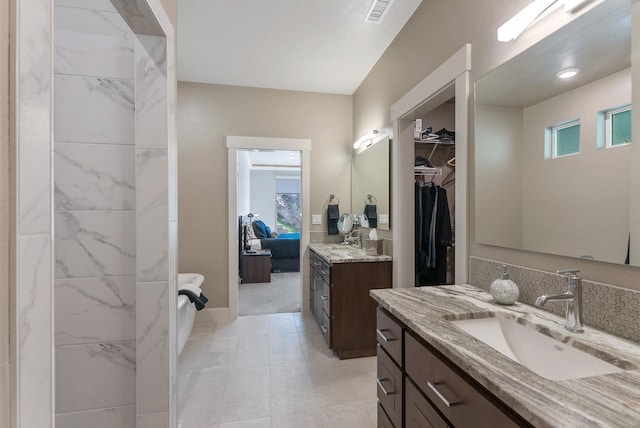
[572, 5]
[365, 138]
[511, 29]
[568, 73]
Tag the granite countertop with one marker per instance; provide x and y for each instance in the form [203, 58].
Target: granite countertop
[339, 253]
[611, 400]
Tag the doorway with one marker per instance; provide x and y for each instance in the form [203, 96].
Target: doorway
[240, 207]
[269, 227]
[449, 81]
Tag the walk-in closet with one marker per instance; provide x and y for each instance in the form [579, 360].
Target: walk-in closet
[434, 182]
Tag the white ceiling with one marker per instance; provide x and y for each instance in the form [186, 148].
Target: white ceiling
[272, 159]
[305, 45]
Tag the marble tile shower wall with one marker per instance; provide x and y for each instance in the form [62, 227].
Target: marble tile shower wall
[606, 307]
[95, 217]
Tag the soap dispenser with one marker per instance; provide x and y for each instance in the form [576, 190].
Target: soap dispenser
[503, 290]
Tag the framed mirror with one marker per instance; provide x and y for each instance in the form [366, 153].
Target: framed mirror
[555, 165]
[370, 178]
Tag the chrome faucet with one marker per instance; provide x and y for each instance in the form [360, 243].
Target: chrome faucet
[573, 297]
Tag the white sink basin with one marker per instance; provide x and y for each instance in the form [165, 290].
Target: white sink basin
[541, 354]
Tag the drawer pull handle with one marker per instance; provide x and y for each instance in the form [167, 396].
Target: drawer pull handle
[434, 387]
[382, 336]
[324, 329]
[325, 272]
[325, 298]
[317, 264]
[384, 391]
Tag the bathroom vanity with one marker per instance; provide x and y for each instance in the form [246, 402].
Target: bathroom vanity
[341, 277]
[431, 372]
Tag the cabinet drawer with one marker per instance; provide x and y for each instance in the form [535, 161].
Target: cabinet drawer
[389, 335]
[457, 400]
[383, 419]
[419, 412]
[326, 298]
[389, 380]
[316, 262]
[325, 326]
[325, 271]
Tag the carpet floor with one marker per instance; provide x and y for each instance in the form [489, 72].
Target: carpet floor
[281, 295]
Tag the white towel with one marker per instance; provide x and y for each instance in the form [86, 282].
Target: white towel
[192, 288]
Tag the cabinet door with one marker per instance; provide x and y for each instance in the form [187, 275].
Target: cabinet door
[389, 380]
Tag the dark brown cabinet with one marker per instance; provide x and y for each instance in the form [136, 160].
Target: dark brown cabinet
[256, 267]
[435, 392]
[340, 302]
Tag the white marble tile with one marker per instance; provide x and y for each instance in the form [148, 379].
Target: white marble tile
[152, 215]
[34, 365]
[151, 92]
[153, 347]
[95, 376]
[139, 16]
[95, 243]
[90, 310]
[94, 110]
[33, 59]
[92, 43]
[120, 417]
[87, 4]
[154, 420]
[94, 176]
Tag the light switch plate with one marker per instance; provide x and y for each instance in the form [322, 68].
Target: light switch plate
[316, 219]
[384, 218]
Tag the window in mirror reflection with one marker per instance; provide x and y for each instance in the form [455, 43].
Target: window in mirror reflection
[565, 139]
[618, 126]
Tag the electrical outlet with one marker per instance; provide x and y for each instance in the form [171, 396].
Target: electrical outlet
[316, 219]
[384, 218]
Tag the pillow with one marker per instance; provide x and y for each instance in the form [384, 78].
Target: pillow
[260, 229]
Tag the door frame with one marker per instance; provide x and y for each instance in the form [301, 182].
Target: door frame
[450, 79]
[235, 143]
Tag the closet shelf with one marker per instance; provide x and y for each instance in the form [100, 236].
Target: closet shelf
[425, 170]
[444, 143]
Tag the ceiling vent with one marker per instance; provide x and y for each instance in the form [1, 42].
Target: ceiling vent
[378, 10]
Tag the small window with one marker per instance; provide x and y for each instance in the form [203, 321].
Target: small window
[565, 139]
[618, 127]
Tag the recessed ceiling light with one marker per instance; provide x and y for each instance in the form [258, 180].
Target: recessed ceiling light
[568, 73]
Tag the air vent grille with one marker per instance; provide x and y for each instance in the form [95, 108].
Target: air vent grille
[378, 10]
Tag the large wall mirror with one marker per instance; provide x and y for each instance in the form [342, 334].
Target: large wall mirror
[370, 177]
[555, 169]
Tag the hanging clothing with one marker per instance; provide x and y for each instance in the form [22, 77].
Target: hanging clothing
[434, 234]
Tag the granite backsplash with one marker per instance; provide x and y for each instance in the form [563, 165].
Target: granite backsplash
[606, 307]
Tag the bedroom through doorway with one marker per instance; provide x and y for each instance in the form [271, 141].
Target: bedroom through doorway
[269, 212]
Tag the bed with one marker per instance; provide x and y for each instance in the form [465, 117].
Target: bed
[285, 248]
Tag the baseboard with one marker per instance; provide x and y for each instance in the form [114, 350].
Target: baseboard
[213, 314]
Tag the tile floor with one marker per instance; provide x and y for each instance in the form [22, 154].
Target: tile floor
[271, 371]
